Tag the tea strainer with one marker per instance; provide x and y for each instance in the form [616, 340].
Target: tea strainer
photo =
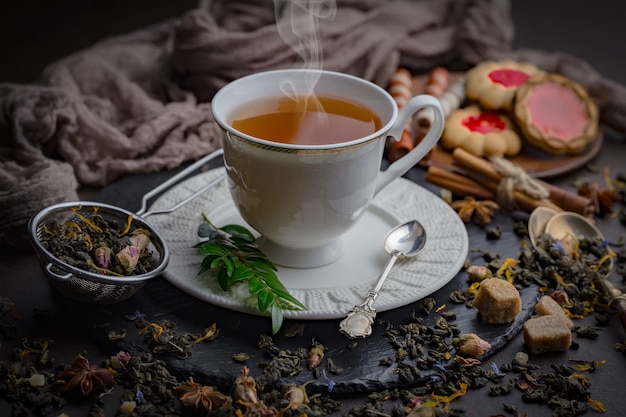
[96, 288]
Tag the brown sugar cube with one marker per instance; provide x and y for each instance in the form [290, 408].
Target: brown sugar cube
[498, 301]
[547, 334]
[547, 306]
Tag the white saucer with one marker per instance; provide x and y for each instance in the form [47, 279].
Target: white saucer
[332, 290]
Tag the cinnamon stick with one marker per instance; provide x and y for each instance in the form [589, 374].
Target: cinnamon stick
[569, 201]
[483, 171]
[522, 200]
[457, 183]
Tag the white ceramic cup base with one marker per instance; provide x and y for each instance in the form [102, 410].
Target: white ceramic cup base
[301, 258]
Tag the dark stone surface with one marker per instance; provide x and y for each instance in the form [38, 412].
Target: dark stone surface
[212, 363]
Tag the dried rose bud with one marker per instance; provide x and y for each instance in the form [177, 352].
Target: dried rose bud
[562, 298]
[102, 256]
[120, 361]
[141, 239]
[123, 357]
[297, 397]
[128, 258]
[316, 354]
[471, 344]
[245, 388]
[477, 273]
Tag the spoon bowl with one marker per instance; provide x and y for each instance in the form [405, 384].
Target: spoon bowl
[403, 241]
[572, 224]
[408, 239]
[537, 223]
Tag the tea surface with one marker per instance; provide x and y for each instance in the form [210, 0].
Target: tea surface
[306, 120]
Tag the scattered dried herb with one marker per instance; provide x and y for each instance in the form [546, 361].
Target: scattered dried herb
[231, 252]
[163, 337]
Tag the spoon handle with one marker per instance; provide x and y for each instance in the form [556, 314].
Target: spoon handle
[617, 300]
[395, 254]
[358, 322]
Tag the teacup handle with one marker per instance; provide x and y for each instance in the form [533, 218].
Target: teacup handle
[405, 163]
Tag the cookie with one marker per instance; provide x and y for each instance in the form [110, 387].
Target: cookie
[482, 133]
[493, 84]
[556, 114]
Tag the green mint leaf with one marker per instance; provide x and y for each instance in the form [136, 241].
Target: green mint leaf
[239, 232]
[211, 248]
[265, 298]
[231, 253]
[272, 281]
[223, 279]
[255, 284]
[277, 318]
[242, 272]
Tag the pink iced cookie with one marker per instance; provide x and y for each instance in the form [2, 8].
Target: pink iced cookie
[556, 114]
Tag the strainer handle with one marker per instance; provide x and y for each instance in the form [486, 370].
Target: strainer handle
[54, 275]
[176, 178]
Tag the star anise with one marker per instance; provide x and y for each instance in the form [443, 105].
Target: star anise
[477, 211]
[201, 399]
[601, 198]
[88, 378]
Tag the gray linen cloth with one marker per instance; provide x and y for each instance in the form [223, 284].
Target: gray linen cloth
[141, 102]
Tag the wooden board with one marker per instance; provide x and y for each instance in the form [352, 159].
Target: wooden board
[535, 162]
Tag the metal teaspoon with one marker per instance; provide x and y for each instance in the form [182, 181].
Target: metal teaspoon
[403, 241]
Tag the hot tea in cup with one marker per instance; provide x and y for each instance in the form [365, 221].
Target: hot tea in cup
[306, 120]
[303, 150]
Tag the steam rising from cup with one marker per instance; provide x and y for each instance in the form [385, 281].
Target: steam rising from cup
[301, 32]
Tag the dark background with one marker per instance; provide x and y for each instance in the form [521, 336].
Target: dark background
[37, 32]
[34, 33]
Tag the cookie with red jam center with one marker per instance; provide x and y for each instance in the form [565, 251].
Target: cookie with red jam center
[481, 132]
[493, 84]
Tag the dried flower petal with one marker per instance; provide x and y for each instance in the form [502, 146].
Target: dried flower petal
[245, 388]
[316, 354]
[471, 344]
[102, 256]
[477, 273]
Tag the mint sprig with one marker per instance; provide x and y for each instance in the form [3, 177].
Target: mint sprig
[231, 252]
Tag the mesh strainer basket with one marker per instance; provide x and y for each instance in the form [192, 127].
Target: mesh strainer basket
[88, 286]
[93, 287]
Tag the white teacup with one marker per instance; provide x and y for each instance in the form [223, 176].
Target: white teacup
[303, 198]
